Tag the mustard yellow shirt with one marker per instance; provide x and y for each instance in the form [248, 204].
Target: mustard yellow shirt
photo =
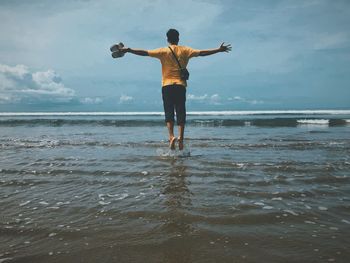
[170, 68]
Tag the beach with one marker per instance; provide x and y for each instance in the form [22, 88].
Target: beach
[262, 186]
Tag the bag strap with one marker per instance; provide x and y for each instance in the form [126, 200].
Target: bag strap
[175, 57]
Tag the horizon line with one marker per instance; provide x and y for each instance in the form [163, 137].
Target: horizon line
[159, 113]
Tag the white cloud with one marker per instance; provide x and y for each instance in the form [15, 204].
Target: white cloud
[125, 99]
[254, 102]
[18, 71]
[213, 99]
[89, 100]
[18, 84]
[197, 98]
[240, 99]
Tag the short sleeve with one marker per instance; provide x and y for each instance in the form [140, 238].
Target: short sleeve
[156, 53]
[192, 52]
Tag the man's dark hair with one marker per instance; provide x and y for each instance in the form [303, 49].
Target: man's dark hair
[173, 36]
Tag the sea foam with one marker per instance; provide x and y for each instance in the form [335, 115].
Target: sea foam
[313, 122]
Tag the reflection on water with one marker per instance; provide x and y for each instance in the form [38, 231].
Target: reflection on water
[177, 200]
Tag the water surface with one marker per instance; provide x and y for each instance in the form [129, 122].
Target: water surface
[104, 188]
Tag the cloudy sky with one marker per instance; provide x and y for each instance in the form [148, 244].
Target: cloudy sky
[54, 55]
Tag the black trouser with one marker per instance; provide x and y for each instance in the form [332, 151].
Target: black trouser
[174, 98]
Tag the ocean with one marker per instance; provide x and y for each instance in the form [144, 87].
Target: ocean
[250, 186]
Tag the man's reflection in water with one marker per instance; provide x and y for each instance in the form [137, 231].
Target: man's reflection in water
[178, 224]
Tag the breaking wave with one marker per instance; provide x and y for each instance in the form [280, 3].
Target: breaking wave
[268, 122]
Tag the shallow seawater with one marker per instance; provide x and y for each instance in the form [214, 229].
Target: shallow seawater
[104, 191]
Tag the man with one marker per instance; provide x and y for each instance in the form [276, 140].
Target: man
[173, 86]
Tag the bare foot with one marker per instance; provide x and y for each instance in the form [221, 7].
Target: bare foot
[172, 142]
[181, 143]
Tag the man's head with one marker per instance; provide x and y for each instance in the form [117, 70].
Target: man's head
[173, 36]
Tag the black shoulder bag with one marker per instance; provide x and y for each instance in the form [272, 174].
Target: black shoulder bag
[184, 74]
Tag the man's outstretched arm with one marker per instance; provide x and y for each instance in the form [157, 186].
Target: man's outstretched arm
[222, 48]
[139, 52]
